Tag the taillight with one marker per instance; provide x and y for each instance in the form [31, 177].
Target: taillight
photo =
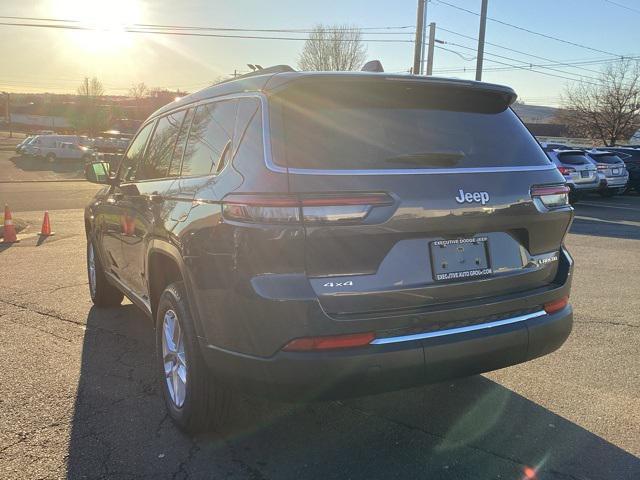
[602, 166]
[311, 209]
[261, 208]
[556, 305]
[551, 196]
[310, 344]
[566, 171]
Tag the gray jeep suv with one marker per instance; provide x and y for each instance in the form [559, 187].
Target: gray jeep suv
[320, 235]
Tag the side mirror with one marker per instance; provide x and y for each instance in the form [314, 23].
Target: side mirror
[97, 172]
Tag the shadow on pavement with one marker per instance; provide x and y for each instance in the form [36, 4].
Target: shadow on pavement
[40, 164]
[472, 428]
[618, 217]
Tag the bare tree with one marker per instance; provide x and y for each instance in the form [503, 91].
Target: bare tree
[329, 48]
[139, 90]
[88, 115]
[606, 109]
[91, 87]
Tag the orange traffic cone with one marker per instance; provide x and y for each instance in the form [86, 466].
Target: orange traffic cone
[9, 228]
[45, 231]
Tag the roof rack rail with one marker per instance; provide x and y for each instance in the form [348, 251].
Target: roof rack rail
[261, 71]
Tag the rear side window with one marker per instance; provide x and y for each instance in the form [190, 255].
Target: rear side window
[161, 146]
[176, 161]
[211, 130]
[385, 124]
[133, 157]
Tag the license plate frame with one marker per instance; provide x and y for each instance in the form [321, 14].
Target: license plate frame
[584, 174]
[460, 258]
[615, 171]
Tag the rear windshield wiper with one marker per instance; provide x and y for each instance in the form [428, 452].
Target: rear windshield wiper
[436, 159]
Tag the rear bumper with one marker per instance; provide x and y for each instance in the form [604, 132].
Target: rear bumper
[393, 365]
[614, 182]
[584, 187]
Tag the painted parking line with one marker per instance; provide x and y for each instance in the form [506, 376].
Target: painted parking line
[604, 205]
[628, 223]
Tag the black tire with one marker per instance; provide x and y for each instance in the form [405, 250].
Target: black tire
[574, 197]
[103, 294]
[207, 402]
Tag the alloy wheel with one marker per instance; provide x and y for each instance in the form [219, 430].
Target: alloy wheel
[174, 359]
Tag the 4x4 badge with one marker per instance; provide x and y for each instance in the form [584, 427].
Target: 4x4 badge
[472, 197]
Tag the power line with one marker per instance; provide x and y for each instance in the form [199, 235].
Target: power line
[529, 68]
[517, 27]
[187, 33]
[626, 7]
[365, 30]
[556, 62]
[527, 64]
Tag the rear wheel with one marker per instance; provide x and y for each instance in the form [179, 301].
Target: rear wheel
[103, 294]
[195, 400]
[574, 197]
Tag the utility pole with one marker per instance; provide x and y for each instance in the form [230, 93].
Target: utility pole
[417, 52]
[483, 27]
[424, 37]
[432, 41]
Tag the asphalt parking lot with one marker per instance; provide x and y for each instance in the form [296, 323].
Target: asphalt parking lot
[80, 399]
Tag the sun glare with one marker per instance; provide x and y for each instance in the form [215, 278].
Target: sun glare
[107, 21]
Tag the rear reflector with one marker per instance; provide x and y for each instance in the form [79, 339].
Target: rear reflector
[556, 305]
[320, 208]
[552, 196]
[310, 344]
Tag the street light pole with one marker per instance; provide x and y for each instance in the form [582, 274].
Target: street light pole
[483, 26]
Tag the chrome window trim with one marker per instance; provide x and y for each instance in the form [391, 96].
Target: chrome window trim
[456, 331]
[412, 171]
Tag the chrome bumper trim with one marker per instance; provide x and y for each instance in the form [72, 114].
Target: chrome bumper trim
[455, 331]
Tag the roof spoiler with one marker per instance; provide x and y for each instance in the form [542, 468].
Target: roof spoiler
[372, 66]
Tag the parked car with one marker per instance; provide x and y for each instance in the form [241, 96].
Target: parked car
[611, 170]
[320, 235]
[30, 148]
[65, 151]
[631, 159]
[579, 172]
[22, 144]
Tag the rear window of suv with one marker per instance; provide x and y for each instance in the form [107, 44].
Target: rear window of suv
[391, 124]
[573, 158]
[612, 159]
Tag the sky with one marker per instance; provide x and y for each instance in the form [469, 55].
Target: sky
[56, 60]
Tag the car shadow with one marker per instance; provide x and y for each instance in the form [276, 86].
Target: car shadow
[39, 164]
[471, 428]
